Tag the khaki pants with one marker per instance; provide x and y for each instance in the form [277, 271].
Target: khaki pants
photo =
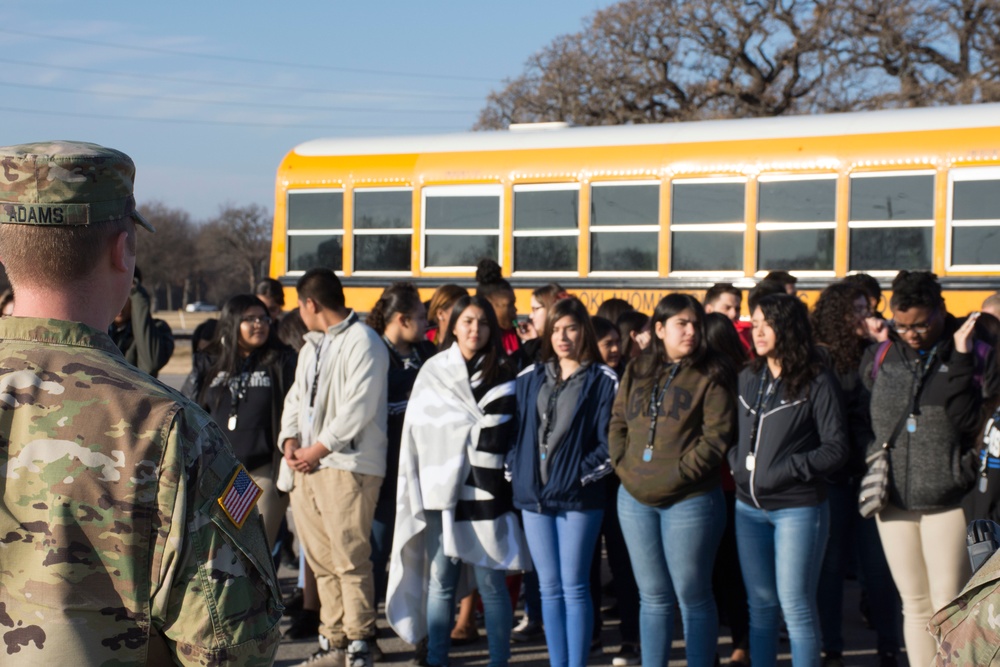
[927, 556]
[272, 505]
[334, 510]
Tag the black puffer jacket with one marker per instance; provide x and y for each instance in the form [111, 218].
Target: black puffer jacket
[800, 441]
[936, 465]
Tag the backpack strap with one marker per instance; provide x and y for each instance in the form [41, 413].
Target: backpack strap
[883, 349]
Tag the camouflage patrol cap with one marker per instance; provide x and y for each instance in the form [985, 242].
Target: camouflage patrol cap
[66, 183]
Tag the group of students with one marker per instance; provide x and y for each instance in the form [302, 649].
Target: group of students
[458, 449]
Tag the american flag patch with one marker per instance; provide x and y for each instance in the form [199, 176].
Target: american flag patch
[240, 497]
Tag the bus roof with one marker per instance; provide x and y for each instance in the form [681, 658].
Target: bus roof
[780, 127]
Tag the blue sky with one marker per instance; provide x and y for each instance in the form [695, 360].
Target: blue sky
[208, 97]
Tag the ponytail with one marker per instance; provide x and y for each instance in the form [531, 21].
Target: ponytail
[397, 298]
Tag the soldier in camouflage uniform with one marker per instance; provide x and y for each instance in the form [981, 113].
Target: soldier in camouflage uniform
[967, 631]
[128, 531]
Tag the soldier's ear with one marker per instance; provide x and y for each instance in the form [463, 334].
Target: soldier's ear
[123, 253]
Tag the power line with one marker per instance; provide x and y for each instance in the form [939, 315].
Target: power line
[252, 105]
[326, 126]
[231, 84]
[250, 61]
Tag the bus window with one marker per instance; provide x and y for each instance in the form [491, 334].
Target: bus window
[383, 230]
[624, 226]
[461, 225]
[707, 224]
[975, 217]
[796, 223]
[891, 221]
[315, 229]
[546, 228]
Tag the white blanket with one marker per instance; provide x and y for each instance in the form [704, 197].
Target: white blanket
[438, 451]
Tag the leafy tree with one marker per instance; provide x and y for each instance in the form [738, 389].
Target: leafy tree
[166, 258]
[233, 249]
[642, 61]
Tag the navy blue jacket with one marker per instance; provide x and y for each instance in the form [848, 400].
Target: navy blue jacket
[578, 466]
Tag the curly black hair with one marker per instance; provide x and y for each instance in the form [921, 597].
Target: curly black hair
[834, 325]
[794, 348]
[916, 289]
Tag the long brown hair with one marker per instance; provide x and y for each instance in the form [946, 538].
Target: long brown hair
[574, 308]
[494, 355]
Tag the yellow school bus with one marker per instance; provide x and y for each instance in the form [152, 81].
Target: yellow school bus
[642, 210]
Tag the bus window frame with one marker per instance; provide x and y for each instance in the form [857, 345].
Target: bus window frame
[543, 233]
[657, 227]
[695, 227]
[471, 190]
[964, 173]
[790, 226]
[887, 224]
[342, 232]
[380, 231]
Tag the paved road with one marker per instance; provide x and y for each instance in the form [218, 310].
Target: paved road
[860, 641]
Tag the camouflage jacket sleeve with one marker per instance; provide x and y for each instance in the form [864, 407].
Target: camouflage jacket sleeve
[215, 593]
[967, 630]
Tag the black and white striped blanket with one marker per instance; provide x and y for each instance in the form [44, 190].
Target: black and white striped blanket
[451, 460]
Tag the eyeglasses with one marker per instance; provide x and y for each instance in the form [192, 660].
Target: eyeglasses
[919, 329]
[257, 319]
[863, 311]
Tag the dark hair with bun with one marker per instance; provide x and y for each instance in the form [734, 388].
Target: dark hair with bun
[489, 279]
[397, 298]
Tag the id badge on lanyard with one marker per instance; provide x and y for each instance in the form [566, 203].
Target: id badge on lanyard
[308, 436]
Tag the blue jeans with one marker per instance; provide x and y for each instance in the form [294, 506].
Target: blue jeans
[671, 548]
[562, 546]
[781, 553]
[441, 602]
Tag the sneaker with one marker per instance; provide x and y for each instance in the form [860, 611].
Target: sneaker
[526, 631]
[305, 625]
[358, 654]
[333, 657]
[596, 648]
[628, 654]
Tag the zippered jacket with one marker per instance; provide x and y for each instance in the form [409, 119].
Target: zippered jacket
[799, 442]
[578, 466]
[349, 411]
[695, 426]
[935, 465]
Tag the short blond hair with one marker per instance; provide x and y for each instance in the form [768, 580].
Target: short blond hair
[49, 256]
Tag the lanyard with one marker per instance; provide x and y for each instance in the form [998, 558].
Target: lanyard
[655, 403]
[352, 318]
[550, 416]
[315, 382]
[411, 362]
[763, 400]
[238, 391]
[921, 377]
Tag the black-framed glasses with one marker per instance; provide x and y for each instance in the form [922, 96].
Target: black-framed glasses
[256, 319]
[919, 329]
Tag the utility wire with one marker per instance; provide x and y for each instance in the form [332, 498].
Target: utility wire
[251, 61]
[251, 105]
[381, 129]
[232, 84]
